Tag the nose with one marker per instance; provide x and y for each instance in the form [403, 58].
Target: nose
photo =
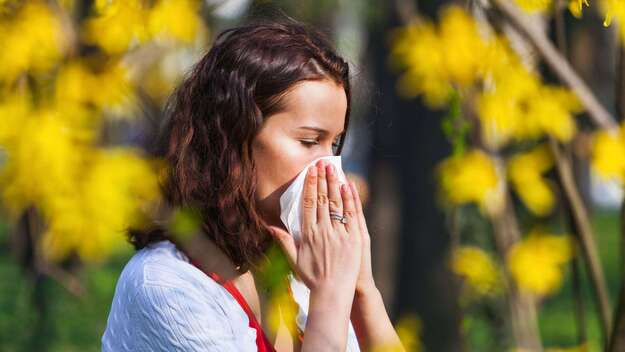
[325, 153]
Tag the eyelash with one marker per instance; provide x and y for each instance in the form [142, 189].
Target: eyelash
[311, 143]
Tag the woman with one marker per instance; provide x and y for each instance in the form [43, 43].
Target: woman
[264, 102]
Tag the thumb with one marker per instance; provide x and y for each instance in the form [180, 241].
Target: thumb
[286, 241]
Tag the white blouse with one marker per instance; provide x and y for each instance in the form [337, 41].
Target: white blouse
[164, 303]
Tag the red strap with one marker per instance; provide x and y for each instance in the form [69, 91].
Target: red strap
[262, 342]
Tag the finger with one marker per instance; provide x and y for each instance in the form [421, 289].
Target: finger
[349, 210]
[309, 198]
[335, 202]
[286, 242]
[323, 213]
[358, 206]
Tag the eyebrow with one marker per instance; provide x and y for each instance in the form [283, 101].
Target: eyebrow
[317, 129]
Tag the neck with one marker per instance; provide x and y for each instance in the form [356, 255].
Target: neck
[210, 258]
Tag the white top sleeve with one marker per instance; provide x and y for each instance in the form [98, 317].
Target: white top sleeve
[163, 303]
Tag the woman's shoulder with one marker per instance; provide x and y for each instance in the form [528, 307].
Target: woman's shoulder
[162, 264]
[160, 296]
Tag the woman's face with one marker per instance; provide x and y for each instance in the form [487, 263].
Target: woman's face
[310, 123]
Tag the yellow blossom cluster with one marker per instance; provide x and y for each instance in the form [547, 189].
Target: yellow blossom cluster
[110, 89]
[477, 268]
[32, 40]
[525, 172]
[472, 178]
[536, 262]
[518, 107]
[511, 101]
[436, 57]
[53, 102]
[119, 25]
[608, 154]
[87, 195]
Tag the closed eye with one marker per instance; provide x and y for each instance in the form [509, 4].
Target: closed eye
[310, 143]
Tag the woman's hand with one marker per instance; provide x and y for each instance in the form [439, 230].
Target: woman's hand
[329, 252]
[365, 282]
[327, 258]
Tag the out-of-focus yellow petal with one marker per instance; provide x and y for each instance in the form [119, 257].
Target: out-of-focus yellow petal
[118, 25]
[575, 7]
[183, 26]
[31, 41]
[477, 268]
[534, 5]
[608, 154]
[536, 261]
[525, 173]
[472, 178]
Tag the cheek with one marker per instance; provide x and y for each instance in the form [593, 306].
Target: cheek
[288, 162]
[279, 162]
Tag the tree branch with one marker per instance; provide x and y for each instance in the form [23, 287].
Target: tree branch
[556, 62]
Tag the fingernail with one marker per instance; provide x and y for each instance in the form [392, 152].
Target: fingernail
[312, 171]
[330, 169]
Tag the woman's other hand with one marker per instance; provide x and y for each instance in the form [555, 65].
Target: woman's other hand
[365, 280]
[329, 252]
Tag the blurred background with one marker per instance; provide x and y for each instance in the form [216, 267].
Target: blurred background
[485, 140]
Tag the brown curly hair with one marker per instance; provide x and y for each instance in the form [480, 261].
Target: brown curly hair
[214, 115]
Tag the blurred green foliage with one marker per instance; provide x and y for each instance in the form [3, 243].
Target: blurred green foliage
[77, 323]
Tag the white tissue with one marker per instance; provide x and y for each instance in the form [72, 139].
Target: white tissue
[291, 199]
[291, 216]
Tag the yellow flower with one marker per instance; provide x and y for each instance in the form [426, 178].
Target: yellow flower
[575, 7]
[118, 25]
[501, 107]
[525, 172]
[614, 9]
[115, 192]
[536, 262]
[32, 41]
[517, 106]
[417, 48]
[110, 89]
[512, 102]
[461, 45]
[14, 110]
[44, 159]
[472, 177]
[436, 58]
[182, 26]
[86, 196]
[534, 5]
[608, 154]
[478, 269]
[550, 109]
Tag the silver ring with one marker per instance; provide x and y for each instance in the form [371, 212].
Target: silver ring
[336, 216]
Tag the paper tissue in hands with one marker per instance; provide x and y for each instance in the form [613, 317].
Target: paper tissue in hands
[291, 216]
[291, 199]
